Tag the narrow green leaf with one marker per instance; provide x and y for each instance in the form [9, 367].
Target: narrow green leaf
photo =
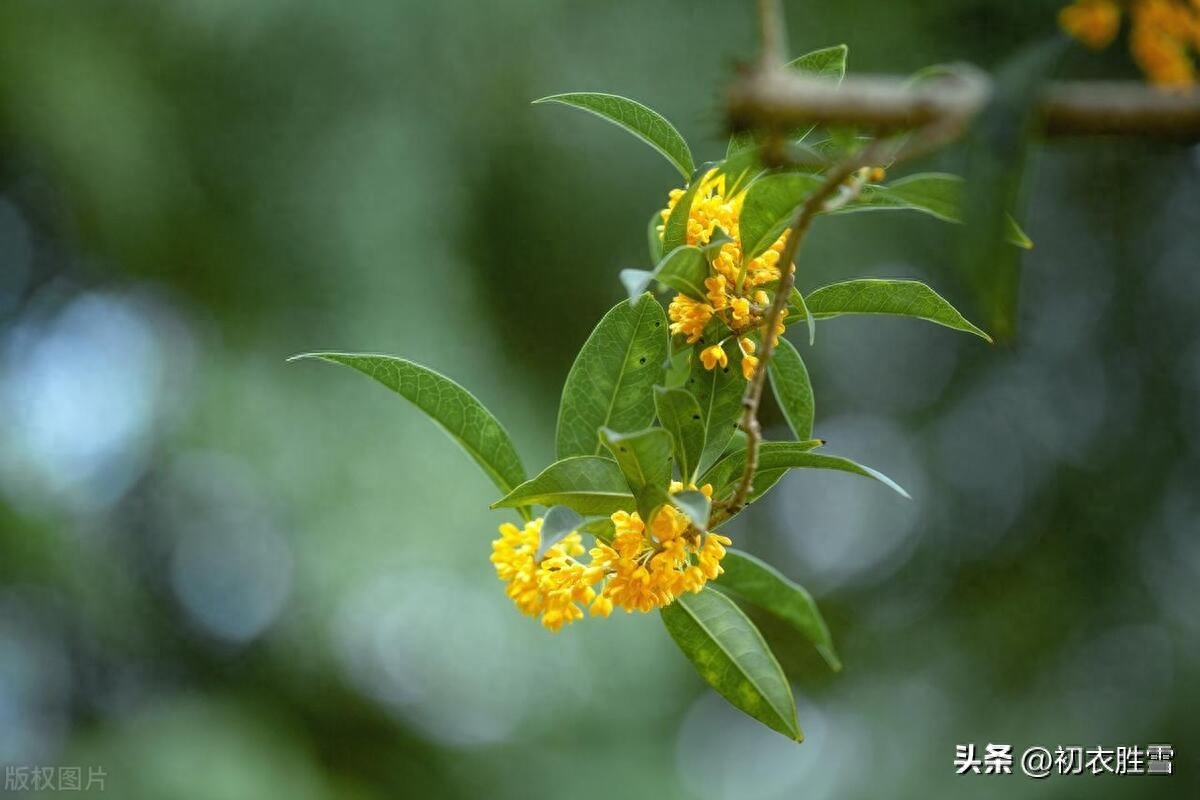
[636, 282]
[762, 585]
[793, 391]
[718, 392]
[790, 455]
[997, 149]
[586, 484]
[600, 527]
[645, 459]
[675, 228]
[935, 193]
[654, 238]
[679, 414]
[559, 522]
[644, 123]
[740, 169]
[683, 269]
[828, 63]
[798, 310]
[891, 297]
[678, 367]
[611, 380]
[770, 206]
[727, 472]
[451, 406]
[694, 505]
[730, 654]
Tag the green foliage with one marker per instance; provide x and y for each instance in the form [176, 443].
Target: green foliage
[586, 484]
[828, 63]
[934, 193]
[449, 405]
[725, 473]
[684, 270]
[612, 381]
[718, 392]
[891, 297]
[649, 126]
[679, 414]
[645, 460]
[762, 585]
[730, 654]
[770, 205]
[559, 522]
[639, 410]
[675, 228]
[789, 381]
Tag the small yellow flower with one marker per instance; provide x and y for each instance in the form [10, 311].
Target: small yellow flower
[734, 288]
[1164, 34]
[749, 360]
[716, 291]
[551, 588]
[689, 317]
[1093, 22]
[710, 357]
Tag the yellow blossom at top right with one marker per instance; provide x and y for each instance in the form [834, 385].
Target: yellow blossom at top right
[1164, 35]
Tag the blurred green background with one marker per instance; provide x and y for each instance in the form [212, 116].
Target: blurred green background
[224, 576]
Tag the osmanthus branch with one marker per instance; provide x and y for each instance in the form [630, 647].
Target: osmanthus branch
[775, 99]
[814, 204]
[770, 20]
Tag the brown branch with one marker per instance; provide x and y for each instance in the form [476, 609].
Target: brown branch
[774, 99]
[770, 21]
[813, 205]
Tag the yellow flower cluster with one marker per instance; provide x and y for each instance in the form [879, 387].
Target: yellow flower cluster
[639, 570]
[1164, 34]
[733, 294]
[552, 588]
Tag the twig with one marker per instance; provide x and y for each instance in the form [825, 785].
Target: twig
[773, 99]
[813, 205]
[774, 37]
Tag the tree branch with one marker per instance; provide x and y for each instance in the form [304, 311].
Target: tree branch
[813, 205]
[774, 99]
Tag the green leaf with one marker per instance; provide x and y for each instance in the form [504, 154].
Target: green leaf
[684, 270]
[793, 391]
[644, 123]
[740, 169]
[762, 585]
[451, 406]
[769, 208]
[586, 484]
[892, 297]
[828, 63]
[798, 310]
[559, 522]
[935, 193]
[730, 654]
[679, 414]
[786, 455]
[772, 456]
[653, 238]
[679, 367]
[645, 459]
[675, 228]
[718, 392]
[694, 505]
[610, 383]
[600, 527]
